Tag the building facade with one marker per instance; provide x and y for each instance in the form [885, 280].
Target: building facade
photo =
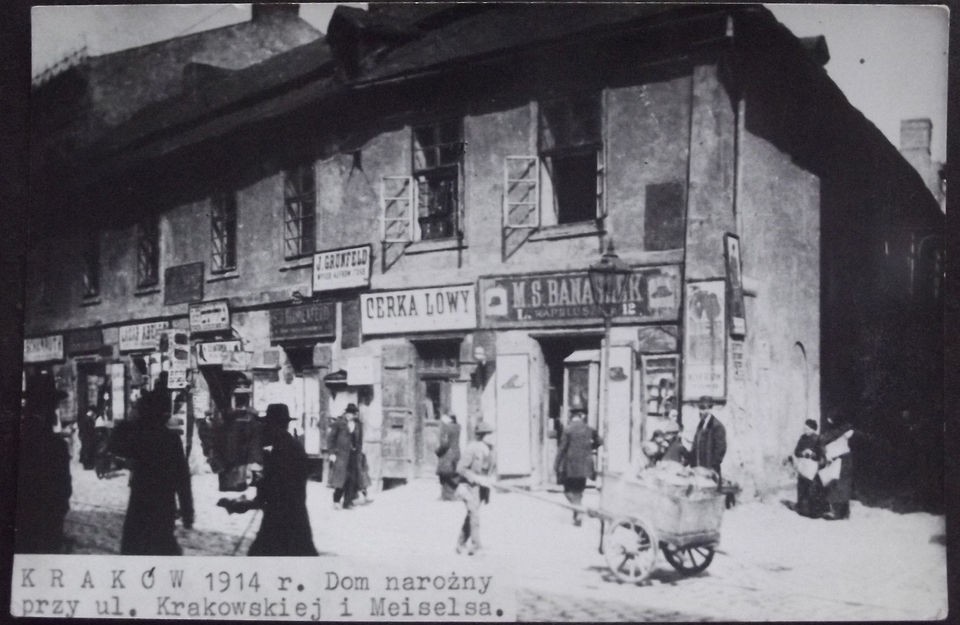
[406, 221]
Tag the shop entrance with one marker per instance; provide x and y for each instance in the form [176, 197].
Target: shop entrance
[437, 369]
[572, 370]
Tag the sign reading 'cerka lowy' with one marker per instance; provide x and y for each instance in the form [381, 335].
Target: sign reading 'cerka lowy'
[419, 310]
[341, 269]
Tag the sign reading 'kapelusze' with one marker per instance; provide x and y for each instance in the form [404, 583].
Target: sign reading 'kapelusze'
[419, 310]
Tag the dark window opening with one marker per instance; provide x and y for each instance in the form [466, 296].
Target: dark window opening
[571, 147]
[437, 157]
[574, 179]
[148, 253]
[300, 216]
[91, 264]
[223, 232]
[663, 217]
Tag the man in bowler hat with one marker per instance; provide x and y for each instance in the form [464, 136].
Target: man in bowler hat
[709, 441]
[345, 444]
[281, 493]
[574, 462]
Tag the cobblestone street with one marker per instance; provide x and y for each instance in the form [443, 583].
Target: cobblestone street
[771, 564]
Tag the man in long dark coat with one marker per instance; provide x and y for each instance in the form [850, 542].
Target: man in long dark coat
[809, 491]
[281, 493]
[574, 462]
[709, 441]
[839, 491]
[159, 478]
[448, 454]
[345, 444]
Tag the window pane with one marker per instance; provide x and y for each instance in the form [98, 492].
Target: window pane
[570, 122]
[574, 186]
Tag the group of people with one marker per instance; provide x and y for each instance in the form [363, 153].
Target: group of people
[824, 470]
[706, 447]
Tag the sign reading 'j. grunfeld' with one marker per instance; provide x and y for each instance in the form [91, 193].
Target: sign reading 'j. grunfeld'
[650, 294]
[419, 310]
[341, 269]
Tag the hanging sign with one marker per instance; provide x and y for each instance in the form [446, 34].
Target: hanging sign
[216, 352]
[704, 341]
[43, 348]
[419, 310]
[210, 316]
[341, 269]
[651, 294]
[177, 375]
[142, 336]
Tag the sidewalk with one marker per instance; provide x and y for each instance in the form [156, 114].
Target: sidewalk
[771, 565]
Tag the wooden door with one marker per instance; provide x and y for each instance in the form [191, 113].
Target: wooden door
[399, 391]
[513, 428]
[434, 394]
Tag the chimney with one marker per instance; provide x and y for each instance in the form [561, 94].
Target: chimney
[915, 135]
[262, 11]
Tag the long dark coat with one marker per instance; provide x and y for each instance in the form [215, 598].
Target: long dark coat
[159, 477]
[841, 490]
[341, 442]
[448, 448]
[282, 495]
[44, 487]
[709, 445]
[575, 453]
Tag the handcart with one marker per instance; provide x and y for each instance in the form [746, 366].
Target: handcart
[639, 520]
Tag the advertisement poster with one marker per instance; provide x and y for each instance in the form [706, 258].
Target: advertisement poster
[736, 307]
[704, 341]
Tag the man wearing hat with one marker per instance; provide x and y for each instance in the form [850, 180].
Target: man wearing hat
[809, 490]
[475, 468]
[281, 493]
[345, 444]
[574, 462]
[709, 441]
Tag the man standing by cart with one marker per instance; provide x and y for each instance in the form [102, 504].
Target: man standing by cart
[477, 465]
[574, 461]
[709, 441]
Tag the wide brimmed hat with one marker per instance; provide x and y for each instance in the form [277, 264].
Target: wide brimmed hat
[705, 402]
[278, 414]
[352, 409]
[483, 428]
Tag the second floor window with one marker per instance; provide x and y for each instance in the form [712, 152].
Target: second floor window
[300, 212]
[148, 252]
[223, 232]
[91, 264]
[437, 157]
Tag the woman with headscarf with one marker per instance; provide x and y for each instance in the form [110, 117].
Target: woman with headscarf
[837, 473]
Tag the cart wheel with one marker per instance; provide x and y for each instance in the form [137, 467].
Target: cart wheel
[630, 549]
[688, 560]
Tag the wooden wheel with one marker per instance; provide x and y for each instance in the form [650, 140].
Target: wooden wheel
[688, 560]
[630, 549]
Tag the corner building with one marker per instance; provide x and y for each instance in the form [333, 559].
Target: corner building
[416, 198]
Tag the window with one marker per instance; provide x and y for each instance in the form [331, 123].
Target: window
[148, 252]
[223, 232]
[571, 152]
[437, 156]
[300, 201]
[90, 255]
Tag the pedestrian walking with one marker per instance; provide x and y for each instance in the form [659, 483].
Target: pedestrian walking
[345, 444]
[281, 492]
[44, 472]
[709, 441]
[159, 479]
[807, 459]
[88, 444]
[574, 463]
[837, 472]
[448, 455]
[474, 470]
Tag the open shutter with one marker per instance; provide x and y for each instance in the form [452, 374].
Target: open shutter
[397, 200]
[601, 182]
[521, 184]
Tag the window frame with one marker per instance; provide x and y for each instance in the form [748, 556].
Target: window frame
[296, 194]
[430, 166]
[91, 268]
[148, 252]
[223, 232]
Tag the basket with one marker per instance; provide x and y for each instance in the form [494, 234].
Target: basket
[672, 515]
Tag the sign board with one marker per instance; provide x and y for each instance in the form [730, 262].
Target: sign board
[419, 310]
[552, 299]
[177, 375]
[182, 284]
[84, 341]
[210, 316]
[704, 341]
[237, 361]
[142, 336]
[362, 370]
[115, 371]
[216, 352]
[737, 310]
[312, 320]
[342, 268]
[43, 348]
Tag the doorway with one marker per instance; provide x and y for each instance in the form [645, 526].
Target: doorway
[438, 366]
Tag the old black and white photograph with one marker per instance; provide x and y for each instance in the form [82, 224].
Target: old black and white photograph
[484, 311]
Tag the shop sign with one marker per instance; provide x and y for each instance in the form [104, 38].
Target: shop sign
[419, 310]
[210, 316]
[737, 361]
[43, 348]
[704, 341]
[341, 269]
[182, 284]
[142, 336]
[237, 361]
[216, 352]
[177, 375]
[651, 294]
[84, 341]
[303, 321]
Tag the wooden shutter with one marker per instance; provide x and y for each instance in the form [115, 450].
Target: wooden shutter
[397, 201]
[521, 192]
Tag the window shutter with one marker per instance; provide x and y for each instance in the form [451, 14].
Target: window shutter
[521, 192]
[601, 183]
[397, 201]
